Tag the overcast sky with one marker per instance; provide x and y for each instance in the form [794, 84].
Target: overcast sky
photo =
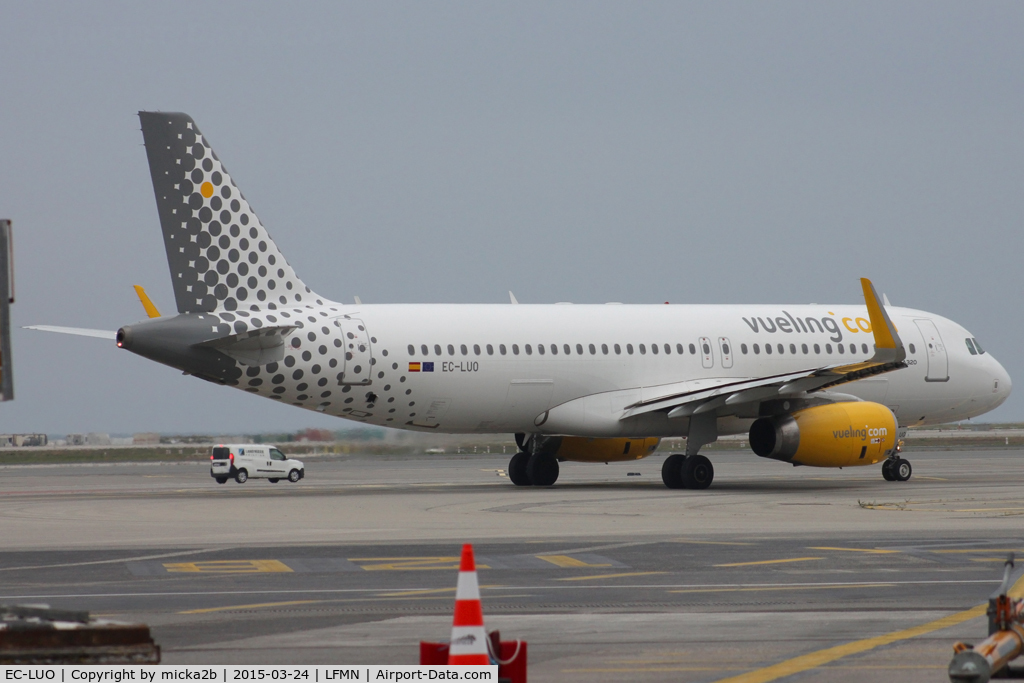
[711, 152]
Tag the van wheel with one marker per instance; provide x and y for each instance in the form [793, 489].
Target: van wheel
[241, 476]
[222, 480]
[273, 481]
[293, 476]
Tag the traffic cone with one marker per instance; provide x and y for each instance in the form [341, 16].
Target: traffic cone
[469, 639]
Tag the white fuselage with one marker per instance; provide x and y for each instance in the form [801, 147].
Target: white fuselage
[490, 375]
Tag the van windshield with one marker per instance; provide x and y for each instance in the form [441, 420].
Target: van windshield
[221, 453]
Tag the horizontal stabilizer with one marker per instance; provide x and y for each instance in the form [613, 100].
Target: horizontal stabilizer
[255, 347]
[80, 331]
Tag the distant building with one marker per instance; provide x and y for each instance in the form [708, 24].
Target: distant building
[19, 440]
[97, 439]
[146, 439]
[76, 439]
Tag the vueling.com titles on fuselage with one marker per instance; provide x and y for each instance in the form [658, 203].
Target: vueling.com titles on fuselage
[789, 324]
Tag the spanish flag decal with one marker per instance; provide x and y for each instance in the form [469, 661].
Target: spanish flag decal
[414, 367]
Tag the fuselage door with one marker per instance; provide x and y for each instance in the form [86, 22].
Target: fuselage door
[725, 348]
[938, 361]
[358, 352]
[707, 358]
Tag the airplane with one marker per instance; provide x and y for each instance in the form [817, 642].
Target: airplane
[814, 385]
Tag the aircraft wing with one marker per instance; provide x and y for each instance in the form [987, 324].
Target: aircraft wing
[693, 400]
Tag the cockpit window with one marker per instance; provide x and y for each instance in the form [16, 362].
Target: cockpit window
[977, 345]
[970, 346]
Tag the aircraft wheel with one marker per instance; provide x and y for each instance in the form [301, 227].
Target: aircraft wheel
[542, 470]
[241, 476]
[902, 470]
[672, 471]
[697, 472]
[887, 471]
[517, 469]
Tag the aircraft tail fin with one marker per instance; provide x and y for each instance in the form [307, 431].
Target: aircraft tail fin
[220, 255]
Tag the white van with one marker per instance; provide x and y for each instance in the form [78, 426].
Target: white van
[243, 462]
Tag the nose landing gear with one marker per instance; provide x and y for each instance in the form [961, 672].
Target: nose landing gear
[896, 469]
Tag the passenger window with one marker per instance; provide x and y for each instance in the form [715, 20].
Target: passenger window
[706, 349]
[554, 349]
[792, 348]
[618, 350]
[840, 348]
[490, 350]
[768, 349]
[817, 349]
[863, 348]
[782, 349]
[476, 349]
[643, 350]
[515, 349]
[743, 349]
[679, 349]
[629, 349]
[465, 351]
[540, 349]
[668, 349]
[604, 349]
[654, 349]
[912, 349]
[803, 347]
[725, 349]
[424, 350]
[977, 345]
[412, 350]
[567, 349]
[579, 349]
[451, 350]
[757, 349]
[593, 350]
[693, 350]
[828, 349]
[853, 348]
[501, 349]
[970, 347]
[529, 350]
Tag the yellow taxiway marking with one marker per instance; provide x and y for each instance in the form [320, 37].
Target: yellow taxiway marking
[871, 551]
[750, 564]
[376, 564]
[207, 610]
[567, 562]
[814, 660]
[608, 576]
[781, 588]
[228, 566]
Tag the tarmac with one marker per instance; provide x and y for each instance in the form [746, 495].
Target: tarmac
[774, 573]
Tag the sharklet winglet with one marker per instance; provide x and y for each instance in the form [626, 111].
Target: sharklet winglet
[887, 339]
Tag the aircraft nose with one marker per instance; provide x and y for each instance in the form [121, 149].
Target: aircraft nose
[1002, 385]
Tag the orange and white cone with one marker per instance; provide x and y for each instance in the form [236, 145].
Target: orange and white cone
[469, 639]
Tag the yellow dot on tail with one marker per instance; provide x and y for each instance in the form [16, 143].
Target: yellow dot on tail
[206, 189]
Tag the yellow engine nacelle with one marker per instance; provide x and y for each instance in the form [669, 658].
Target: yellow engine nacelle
[833, 435]
[583, 449]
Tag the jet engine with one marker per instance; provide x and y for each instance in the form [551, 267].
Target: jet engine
[832, 435]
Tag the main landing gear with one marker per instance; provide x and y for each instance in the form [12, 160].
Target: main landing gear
[535, 465]
[687, 471]
[896, 469]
